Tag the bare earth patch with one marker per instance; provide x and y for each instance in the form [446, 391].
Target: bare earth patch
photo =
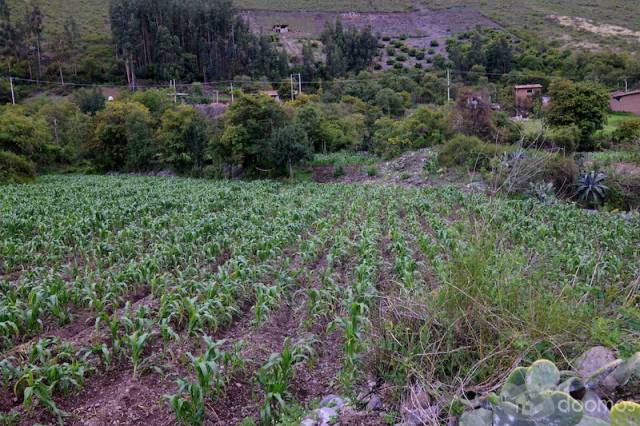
[588, 25]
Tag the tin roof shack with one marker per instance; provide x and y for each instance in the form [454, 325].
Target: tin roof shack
[273, 94]
[625, 102]
[526, 96]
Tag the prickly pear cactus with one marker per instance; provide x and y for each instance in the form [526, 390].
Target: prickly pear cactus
[542, 376]
[535, 396]
[625, 414]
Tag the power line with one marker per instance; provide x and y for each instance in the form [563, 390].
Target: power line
[251, 82]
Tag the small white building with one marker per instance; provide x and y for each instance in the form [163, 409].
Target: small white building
[281, 29]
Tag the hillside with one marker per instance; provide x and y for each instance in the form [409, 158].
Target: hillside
[587, 24]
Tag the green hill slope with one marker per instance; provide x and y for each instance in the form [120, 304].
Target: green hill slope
[586, 23]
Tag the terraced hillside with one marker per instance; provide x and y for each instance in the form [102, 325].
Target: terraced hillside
[589, 24]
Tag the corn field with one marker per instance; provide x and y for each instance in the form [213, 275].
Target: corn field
[144, 300]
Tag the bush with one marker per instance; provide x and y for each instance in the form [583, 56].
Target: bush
[70, 129]
[507, 130]
[434, 43]
[562, 171]
[27, 136]
[90, 101]
[289, 146]
[628, 131]
[417, 65]
[566, 138]
[469, 152]
[391, 62]
[401, 58]
[15, 168]
[515, 172]
[420, 56]
[386, 38]
[390, 51]
[624, 190]
[156, 101]
[123, 137]
[372, 171]
[377, 66]
[584, 105]
[183, 137]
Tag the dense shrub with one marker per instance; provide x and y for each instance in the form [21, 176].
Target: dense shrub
[391, 102]
[156, 101]
[69, 127]
[469, 152]
[506, 130]
[90, 101]
[248, 125]
[182, 139]
[472, 115]
[624, 190]
[584, 105]
[566, 138]
[516, 172]
[24, 135]
[15, 168]
[628, 131]
[290, 145]
[562, 171]
[423, 128]
[123, 137]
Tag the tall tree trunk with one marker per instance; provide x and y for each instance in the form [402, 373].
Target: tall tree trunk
[61, 76]
[39, 58]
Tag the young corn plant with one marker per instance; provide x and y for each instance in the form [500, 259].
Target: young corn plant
[188, 404]
[136, 343]
[267, 297]
[274, 377]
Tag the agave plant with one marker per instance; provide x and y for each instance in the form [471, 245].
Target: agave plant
[544, 192]
[591, 189]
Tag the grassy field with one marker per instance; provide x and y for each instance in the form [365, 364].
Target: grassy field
[528, 15]
[93, 15]
[327, 5]
[614, 121]
[533, 16]
[253, 300]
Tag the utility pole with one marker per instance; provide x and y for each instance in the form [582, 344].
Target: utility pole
[232, 92]
[448, 85]
[13, 95]
[175, 92]
[299, 84]
[626, 85]
[292, 90]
